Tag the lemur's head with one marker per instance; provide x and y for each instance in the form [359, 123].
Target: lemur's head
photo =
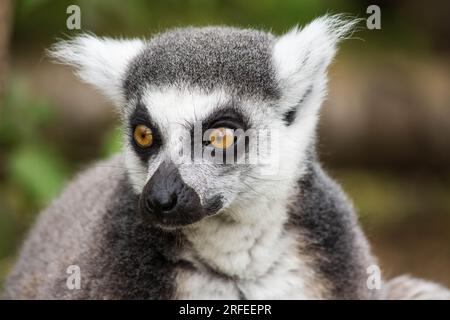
[190, 98]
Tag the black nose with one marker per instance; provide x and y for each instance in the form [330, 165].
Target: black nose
[161, 201]
[167, 200]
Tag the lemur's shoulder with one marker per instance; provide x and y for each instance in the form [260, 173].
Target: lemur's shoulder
[326, 218]
[94, 225]
[83, 202]
[67, 230]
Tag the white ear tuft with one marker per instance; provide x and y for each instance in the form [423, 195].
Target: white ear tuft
[101, 62]
[302, 56]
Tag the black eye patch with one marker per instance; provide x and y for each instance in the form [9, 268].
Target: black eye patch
[140, 116]
[225, 117]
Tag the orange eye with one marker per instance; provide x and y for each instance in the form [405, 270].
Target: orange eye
[143, 136]
[221, 138]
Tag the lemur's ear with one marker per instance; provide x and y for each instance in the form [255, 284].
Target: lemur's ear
[101, 62]
[302, 56]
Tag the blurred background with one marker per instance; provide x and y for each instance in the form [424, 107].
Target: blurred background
[384, 134]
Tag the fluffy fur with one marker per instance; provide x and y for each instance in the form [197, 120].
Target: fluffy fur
[281, 232]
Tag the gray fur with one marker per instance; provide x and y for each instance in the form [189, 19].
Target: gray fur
[323, 215]
[237, 59]
[409, 288]
[95, 225]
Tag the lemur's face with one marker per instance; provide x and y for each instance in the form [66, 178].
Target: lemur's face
[215, 118]
[188, 151]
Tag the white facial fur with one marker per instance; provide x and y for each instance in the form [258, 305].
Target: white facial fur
[171, 108]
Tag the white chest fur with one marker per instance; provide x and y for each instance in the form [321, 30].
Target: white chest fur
[252, 259]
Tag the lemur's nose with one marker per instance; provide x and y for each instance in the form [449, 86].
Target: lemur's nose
[168, 200]
[162, 202]
[160, 195]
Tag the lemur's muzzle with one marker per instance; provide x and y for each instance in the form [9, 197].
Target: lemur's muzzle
[169, 202]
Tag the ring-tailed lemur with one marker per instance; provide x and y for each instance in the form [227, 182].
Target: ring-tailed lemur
[146, 225]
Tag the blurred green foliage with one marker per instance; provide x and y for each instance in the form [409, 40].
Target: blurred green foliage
[389, 199]
[112, 142]
[144, 17]
[32, 162]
